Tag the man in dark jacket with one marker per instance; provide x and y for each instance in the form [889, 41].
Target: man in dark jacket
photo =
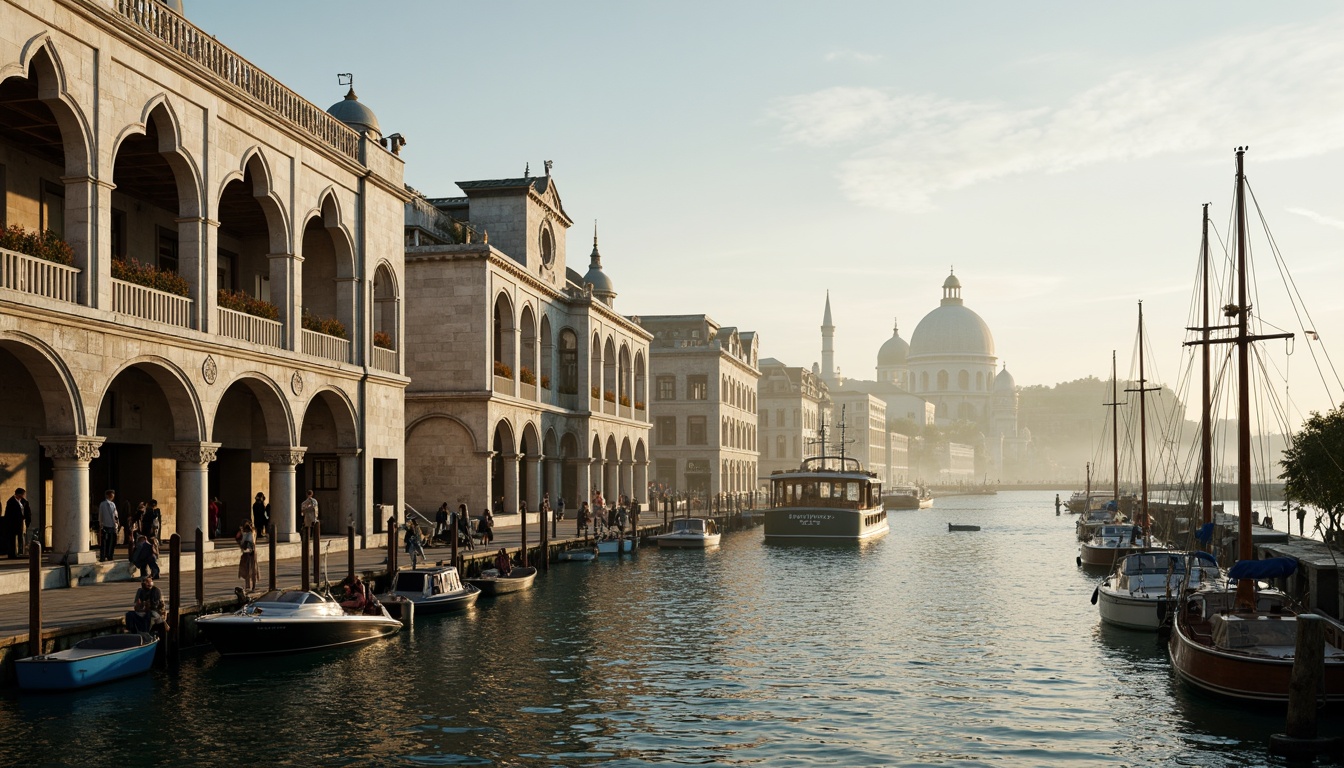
[18, 516]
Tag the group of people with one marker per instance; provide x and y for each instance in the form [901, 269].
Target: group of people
[144, 522]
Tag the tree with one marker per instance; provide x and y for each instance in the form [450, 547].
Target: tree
[1313, 469]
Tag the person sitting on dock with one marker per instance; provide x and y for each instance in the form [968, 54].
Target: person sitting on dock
[356, 595]
[145, 556]
[503, 563]
[148, 611]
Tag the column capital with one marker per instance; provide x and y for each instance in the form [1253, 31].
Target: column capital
[283, 454]
[193, 452]
[349, 453]
[67, 180]
[78, 447]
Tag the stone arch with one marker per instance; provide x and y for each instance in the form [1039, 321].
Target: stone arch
[641, 396]
[475, 439]
[386, 304]
[329, 213]
[183, 402]
[159, 113]
[63, 408]
[609, 367]
[503, 335]
[443, 462]
[527, 341]
[546, 376]
[343, 411]
[328, 281]
[255, 166]
[276, 414]
[40, 61]
[569, 362]
[624, 373]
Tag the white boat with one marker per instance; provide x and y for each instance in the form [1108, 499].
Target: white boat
[491, 583]
[690, 533]
[1113, 542]
[435, 589]
[907, 497]
[1144, 588]
[1094, 519]
[616, 545]
[289, 621]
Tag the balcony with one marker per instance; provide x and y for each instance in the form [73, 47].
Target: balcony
[384, 359]
[641, 414]
[504, 385]
[625, 411]
[150, 304]
[528, 391]
[245, 327]
[38, 276]
[329, 347]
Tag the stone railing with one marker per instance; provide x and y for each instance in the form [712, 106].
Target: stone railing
[188, 40]
[19, 272]
[240, 325]
[150, 304]
[641, 414]
[322, 345]
[527, 391]
[503, 385]
[384, 359]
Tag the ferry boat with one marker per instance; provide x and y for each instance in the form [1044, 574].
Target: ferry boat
[828, 498]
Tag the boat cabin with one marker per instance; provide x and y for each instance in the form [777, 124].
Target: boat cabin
[694, 525]
[427, 582]
[1118, 536]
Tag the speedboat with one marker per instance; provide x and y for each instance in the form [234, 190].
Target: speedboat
[491, 583]
[436, 589]
[289, 621]
[96, 660]
[690, 533]
[1145, 586]
[1111, 543]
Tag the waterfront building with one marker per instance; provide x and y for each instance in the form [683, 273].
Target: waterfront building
[214, 309]
[525, 379]
[792, 402]
[864, 417]
[704, 404]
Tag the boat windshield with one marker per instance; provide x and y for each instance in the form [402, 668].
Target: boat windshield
[838, 492]
[1154, 563]
[410, 582]
[294, 597]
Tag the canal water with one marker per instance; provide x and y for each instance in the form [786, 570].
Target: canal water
[923, 648]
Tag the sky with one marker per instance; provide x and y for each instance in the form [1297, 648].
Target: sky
[742, 158]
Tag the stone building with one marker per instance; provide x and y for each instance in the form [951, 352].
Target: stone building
[704, 404]
[791, 404]
[864, 418]
[160, 156]
[525, 379]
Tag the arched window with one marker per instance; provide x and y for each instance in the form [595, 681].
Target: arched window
[569, 362]
[942, 381]
[963, 379]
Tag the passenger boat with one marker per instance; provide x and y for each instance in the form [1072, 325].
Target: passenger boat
[490, 583]
[1146, 586]
[1242, 644]
[289, 621]
[434, 589]
[88, 662]
[907, 497]
[690, 533]
[827, 499]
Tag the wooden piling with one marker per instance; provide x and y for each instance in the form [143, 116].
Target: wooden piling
[350, 551]
[174, 594]
[1301, 741]
[392, 547]
[34, 599]
[200, 567]
[454, 520]
[522, 538]
[543, 539]
[270, 546]
[317, 553]
[303, 559]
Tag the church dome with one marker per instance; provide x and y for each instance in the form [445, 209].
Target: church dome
[894, 351]
[1004, 382]
[952, 328]
[603, 289]
[355, 114]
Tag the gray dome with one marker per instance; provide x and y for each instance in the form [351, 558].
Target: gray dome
[951, 282]
[1004, 381]
[175, 6]
[354, 114]
[894, 351]
[602, 285]
[951, 329]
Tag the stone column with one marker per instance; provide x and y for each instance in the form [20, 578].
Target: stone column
[70, 504]
[611, 481]
[533, 487]
[197, 265]
[282, 497]
[347, 311]
[511, 483]
[287, 295]
[88, 230]
[555, 473]
[193, 500]
[627, 481]
[348, 472]
[641, 488]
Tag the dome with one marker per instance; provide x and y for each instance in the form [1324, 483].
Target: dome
[951, 329]
[894, 351]
[601, 283]
[175, 6]
[1004, 381]
[354, 114]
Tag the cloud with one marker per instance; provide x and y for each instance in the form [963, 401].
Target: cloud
[1281, 90]
[858, 56]
[1319, 218]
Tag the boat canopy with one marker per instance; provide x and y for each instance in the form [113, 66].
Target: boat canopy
[428, 583]
[1269, 568]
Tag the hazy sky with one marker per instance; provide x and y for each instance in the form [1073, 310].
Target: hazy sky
[742, 158]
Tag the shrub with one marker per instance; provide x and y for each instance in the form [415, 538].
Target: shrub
[503, 370]
[328, 325]
[381, 339]
[610, 397]
[597, 393]
[242, 302]
[527, 376]
[545, 382]
[639, 405]
[150, 276]
[625, 400]
[43, 244]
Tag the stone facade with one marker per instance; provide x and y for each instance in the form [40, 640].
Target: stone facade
[864, 417]
[704, 387]
[792, 404]
[147, 141]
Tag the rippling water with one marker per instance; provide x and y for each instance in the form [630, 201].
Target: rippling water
[923, 648]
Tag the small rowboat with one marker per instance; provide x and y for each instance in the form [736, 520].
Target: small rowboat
[955, 527]
[96, 660]
[491, 583]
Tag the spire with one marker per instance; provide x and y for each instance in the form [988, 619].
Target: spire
[828, 345]
[895, 326]
[595, 260]
[826, 319]
[599, 281]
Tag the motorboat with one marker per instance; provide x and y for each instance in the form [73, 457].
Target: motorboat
[1144, 588]
[615, 544]
[434, 589]
[289, 621]
[961, 527]
[93, 661]
[578, 555]
[1111, 543]
[491, 583]
[827, 499]
[1091, 521]
[907, 497]
[690, 533]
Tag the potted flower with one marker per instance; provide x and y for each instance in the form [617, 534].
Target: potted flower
[527, 376]
[382, 340]
[503, 370]
[239, 301]
[327, 325]
[150, 276]
[44, 244]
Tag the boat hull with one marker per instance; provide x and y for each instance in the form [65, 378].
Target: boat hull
[517, 581]
[674, 541]
[1142, 613]
[1105, 557]
[615, 546]
[82, 667]
[1242, 676]
[234, 635]
[823, 524]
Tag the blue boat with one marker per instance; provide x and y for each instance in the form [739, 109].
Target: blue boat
[89, 662]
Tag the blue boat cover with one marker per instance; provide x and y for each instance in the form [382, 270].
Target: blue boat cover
[1269, 568]
[1205, 532]
[1206, 557]
[1111, 505]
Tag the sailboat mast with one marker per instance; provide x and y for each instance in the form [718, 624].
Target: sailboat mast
[1115, 433]
[1206, 407]
[1143, 431]
[1245, 587]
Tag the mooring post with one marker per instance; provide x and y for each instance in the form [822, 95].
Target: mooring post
[200, 567]
[543, 538]
[1308, 678]
[454, 520]
[317, 553]
[270, 548]
[34, 599]
[174, 593]
[392, 547]
[522, 537]
[303, 558]
[350, 551]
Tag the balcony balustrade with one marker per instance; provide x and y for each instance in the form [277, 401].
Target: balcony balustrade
[329, 347]
[504, 385]
[385, 359]
[151, 304]
[19, 272]
[245, 327]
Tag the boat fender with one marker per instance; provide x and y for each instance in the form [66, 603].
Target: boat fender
[1079, 560]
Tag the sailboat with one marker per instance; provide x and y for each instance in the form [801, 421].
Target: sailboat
[1240, 644]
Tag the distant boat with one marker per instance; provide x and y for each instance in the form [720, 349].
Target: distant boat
[490, 583]
[907, 497]
[955, 527]
[89, 662]
[689, 533]
[617, 545]
[436, 589]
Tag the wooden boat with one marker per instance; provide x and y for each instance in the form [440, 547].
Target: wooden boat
[490, 583]
[955, 527]
[290, 621]
[907, 497]
[690, 533]
[433, 589]
[1145, 587]
[89, 662]
[827, 499]
[1110, 544]
[1241, 644]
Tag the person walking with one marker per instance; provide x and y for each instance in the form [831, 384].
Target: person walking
[259, 513]
[107, 526]
[309, 510]
[414, 546]
[247, 560]
[486, 528]
[1301, 520]
[214, 517]
[152, 521]
[440, 524]
[18, 516]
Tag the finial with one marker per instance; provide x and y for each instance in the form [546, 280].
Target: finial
[347, 78]
[527, 170]
[895, 327]
[548, 168]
